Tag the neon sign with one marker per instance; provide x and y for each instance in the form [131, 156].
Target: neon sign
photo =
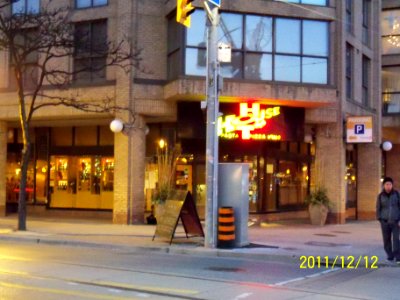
[250, 123]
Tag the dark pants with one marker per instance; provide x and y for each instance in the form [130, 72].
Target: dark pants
[390, 234]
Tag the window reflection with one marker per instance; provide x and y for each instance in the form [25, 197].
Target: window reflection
[315, 70]
[314, 2]
[259, 33]
[233, 69]
[230, 30]
[313, 30]
[287, 36]
[89, 3]
[287, 68]
[310, 2]
[197, 35]
[390, 27]
[391, 89]
[196, 62]
[297, 53]
[391, 45]
[26, 7]
[258, 66]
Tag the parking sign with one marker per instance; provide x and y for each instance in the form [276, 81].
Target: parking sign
[359, 129]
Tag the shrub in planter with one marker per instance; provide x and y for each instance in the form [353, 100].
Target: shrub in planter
[318, 206]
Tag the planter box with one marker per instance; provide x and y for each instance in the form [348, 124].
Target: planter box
[318, 214]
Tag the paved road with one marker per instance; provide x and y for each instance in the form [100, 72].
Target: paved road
[43, 272]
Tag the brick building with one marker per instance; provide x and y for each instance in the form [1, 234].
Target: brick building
[390, 30]
[317, 62]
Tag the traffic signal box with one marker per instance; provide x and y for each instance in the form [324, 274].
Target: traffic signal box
[184, 9]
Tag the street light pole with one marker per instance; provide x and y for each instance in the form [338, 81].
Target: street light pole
[212, 130]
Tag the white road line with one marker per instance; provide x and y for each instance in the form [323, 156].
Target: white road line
[305, 277]
[142, 295]
[289, 281]
[242, 296]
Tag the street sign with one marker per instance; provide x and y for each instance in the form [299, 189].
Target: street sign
[215, 2]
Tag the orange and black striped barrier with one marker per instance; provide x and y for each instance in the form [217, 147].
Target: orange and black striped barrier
[226, 227]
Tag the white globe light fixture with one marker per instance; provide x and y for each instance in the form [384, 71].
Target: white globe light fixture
[116, 125]
[387, 146]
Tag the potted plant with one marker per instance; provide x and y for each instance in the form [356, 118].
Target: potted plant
[318, 206]
[166, 164]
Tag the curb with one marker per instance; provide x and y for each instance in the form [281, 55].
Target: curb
[198, 251]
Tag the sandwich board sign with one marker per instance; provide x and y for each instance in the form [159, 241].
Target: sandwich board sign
[180, 206]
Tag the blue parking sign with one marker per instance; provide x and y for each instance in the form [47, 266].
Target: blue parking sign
[359, 129]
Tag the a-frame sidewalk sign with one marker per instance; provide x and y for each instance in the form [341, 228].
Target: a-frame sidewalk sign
[180, 206]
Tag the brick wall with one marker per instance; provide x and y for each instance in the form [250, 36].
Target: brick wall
[329, 165]
[368, 182]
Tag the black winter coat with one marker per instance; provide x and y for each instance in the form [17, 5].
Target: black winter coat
[388, 207]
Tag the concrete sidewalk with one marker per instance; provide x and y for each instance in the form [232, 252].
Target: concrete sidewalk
[269, 241]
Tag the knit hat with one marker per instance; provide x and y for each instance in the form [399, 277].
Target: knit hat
[387, 179]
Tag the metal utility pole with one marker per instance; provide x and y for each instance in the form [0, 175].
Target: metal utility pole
[212, 122]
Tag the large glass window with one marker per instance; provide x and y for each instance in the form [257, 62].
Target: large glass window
[310, 2]
[366, 62]
[26, 7]
[26, 39]
[90, 3]
[13, 177]
[391, 89]
[287, 68]
[90, 51]
[195, 58]
[366, 21]
[258, 66]
[230, 30]
[288, 36]
[314, 70]
[263, 48]
[349, 71]
[174, 48]
[390, 28]
[312, 31]
[258, 33]
[81, 181]
[292, 179]
[349, 16]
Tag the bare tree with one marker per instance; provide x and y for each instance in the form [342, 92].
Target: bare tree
[35, 41]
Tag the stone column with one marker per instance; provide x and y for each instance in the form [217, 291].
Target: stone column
[4, 70]
[330, 168]
[368, 182]
[129, 172]
[3, 167]
[129, 146]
